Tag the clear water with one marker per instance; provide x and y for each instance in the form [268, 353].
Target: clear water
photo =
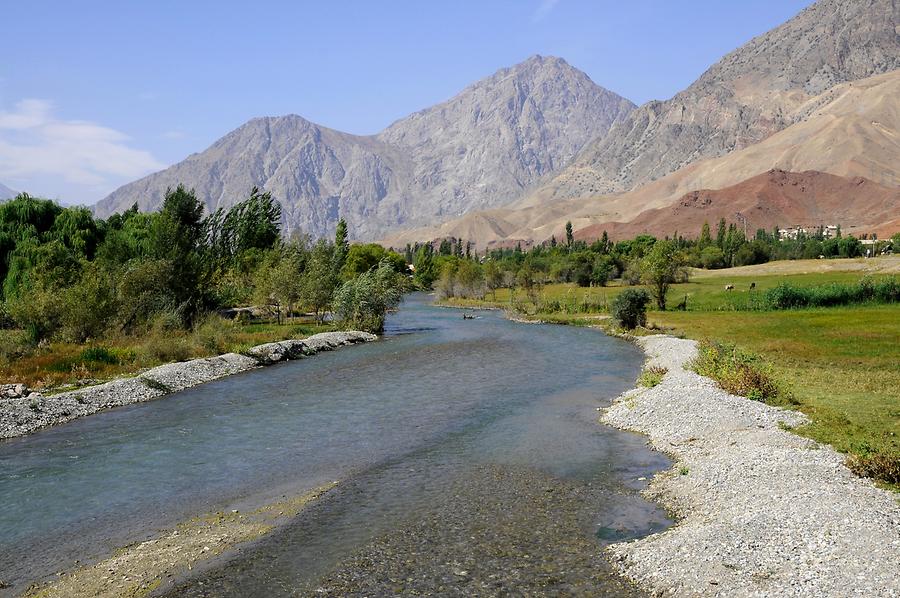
[395, 419]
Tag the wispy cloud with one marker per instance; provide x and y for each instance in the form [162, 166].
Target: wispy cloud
[543, 9]
[34, 143]
[173, 134]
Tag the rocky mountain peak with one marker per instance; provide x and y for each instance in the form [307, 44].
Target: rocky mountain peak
[482, 148]
[748, 95]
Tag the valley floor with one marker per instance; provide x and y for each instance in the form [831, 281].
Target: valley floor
[762, 512]
[841, 365]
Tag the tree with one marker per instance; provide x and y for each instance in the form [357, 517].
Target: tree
[705, 238]
[629, 308]
[341, 245]
[660, 268]
[363, 257]
[712, 258]
[365, 301]
[319, 281]
[720, 234]
[603, 268]
[423, 264]
[493, 278]
[570, 236]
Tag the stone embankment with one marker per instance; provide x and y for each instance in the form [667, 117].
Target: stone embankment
[762, 511]
[23, 412]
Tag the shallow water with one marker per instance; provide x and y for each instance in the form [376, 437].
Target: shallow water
[397, 421]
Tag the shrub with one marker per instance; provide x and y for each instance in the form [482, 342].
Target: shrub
[214, 334]
[629, 308]
[788, 296]
[738, 372]
[652, 376]
[879, 465]
[712, 258]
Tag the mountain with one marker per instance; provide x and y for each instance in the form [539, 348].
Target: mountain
[6, 192]
[753, 92]
[485, 147]
[851, 130]
[774, 198]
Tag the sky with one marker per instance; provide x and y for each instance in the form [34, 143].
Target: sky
[97, 93]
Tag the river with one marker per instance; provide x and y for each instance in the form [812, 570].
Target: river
[464, 448]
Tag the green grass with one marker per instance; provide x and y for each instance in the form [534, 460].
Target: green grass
[705, 292]
[842, 365]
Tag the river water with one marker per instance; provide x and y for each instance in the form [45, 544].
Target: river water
[464, 449]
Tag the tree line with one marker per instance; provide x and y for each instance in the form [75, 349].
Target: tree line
[456, 270]
[67, 275]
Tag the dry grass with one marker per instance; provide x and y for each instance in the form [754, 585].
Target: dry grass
[60, 365]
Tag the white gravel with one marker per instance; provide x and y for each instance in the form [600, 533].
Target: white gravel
[21, 416]
[761, 511]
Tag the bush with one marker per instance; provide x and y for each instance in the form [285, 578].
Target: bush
[712, 258]
[879, 465]
[629, 308]
[652, 376]
[214, 334]
[788, 296]
[738, 372]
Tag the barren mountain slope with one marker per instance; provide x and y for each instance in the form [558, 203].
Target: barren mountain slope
[751, 93]
[774, 198]
[851, 130]
[483, 148]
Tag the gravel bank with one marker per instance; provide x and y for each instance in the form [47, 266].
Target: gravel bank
[21, 416]
[763, 512]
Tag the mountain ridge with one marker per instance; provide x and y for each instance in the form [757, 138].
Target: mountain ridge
[485, 146]
[749, 94]
[6, 192]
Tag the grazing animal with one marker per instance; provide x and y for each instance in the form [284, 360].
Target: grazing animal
[729, 287]
[752, 285]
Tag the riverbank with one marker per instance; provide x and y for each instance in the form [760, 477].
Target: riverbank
[144, 567]
[24, 415]
[761, 511]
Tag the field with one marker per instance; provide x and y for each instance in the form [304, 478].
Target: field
[58, 366]
[841, 364]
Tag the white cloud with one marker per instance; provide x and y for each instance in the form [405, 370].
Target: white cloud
[173, 134]
[543, 9]
[34, 143]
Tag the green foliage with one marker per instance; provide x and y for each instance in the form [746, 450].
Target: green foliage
[661, 267]
[361, 258]
[712, 258]
[363, 302]
[738, 372]
[652, 376]
[629, 308]
[790, 296]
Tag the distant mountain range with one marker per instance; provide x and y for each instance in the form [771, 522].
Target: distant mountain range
[6, 192]
[483, 148]
[817, 93]
[515, 156]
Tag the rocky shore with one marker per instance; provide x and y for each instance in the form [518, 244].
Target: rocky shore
[23, 412]
[762, 511]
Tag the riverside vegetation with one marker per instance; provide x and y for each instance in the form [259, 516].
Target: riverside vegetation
[86, 298]
[818, 335]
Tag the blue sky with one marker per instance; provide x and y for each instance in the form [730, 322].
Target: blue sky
[94, 94]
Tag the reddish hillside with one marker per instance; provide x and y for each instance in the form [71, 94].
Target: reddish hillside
[774, 198]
